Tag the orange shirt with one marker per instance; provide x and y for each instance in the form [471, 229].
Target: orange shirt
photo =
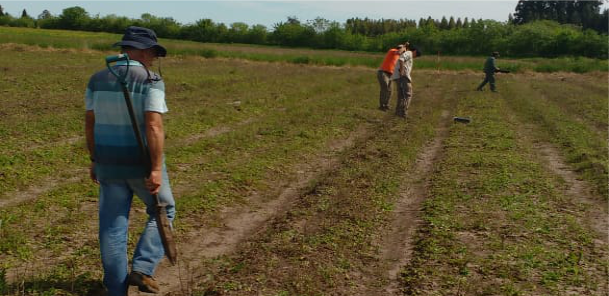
[390, 59]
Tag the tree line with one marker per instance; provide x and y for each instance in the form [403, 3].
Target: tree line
[530, 33]
[584, 13]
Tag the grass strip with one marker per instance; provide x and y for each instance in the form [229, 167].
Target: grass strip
[577, 138]
[322, 244]
[496, 224]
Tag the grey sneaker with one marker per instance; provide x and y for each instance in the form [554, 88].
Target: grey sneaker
[145, 283]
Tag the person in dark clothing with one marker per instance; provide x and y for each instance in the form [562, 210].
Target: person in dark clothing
[490, 68]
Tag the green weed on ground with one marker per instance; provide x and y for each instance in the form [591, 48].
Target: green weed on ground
[275, 125]
[495, 221]
[324, 244]
[576, 123]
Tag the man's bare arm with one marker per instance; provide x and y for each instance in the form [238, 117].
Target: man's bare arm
[156, 142]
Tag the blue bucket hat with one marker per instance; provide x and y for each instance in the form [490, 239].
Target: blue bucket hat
[141, 38]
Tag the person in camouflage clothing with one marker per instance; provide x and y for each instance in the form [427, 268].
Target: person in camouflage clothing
[490, 68]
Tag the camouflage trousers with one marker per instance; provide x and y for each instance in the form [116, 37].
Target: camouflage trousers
[404, 87]
[385, 84]
[488, 78]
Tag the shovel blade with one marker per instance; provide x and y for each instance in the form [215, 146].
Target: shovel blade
[166, 234]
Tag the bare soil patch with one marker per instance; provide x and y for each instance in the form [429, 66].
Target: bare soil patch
[580, 193]
[32, 192]
[397, 241]
[214, 131]
[239, 223]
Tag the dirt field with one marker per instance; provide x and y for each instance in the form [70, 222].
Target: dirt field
[289, 181]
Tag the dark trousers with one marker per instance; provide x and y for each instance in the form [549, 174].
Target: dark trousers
[385, 84]
[490, 78]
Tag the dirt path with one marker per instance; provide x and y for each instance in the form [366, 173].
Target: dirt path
[213, 132]
[239, 223]
[17, 197]
[396, 245]
[29, 269]
[578, 191]
[591, 210]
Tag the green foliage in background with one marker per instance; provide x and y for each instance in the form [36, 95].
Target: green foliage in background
[543, 38]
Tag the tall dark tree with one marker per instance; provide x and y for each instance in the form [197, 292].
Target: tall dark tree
[421, 22]
[443, 23]
[430, 21]
[451, 23]
[1, 11]
[472, 23]
[24, 14]
[459, 24]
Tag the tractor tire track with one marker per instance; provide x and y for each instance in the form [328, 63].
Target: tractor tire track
[23, 270]
[240, 223]
[397, 243]
[578, 191]
[589, 209]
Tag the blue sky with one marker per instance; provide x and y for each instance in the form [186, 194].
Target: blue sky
[270, 12]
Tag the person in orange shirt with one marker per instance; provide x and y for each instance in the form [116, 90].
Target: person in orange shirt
[384, 75]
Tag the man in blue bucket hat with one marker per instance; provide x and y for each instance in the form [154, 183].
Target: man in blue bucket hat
[116, 162]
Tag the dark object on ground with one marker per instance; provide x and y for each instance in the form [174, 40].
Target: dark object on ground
[462, 119]
[161, 213]
[503, 71]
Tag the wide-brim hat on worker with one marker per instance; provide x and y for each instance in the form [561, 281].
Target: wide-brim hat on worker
[141, 38]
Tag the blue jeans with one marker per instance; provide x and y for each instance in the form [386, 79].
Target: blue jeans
[115, 198]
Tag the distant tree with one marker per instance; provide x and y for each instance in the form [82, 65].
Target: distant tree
[24, 14]
[257, 34]
[466, 23]
[430, 22]
[510, 19]
[165, 27]
[459, 24]
[451, 23]
[292, 33]
[45, 15]
[443, 23]
[203, 30]
[585, 13]
[603, 23]
[238, 32]
[73, 18]
[1, 11]
[319, 24]
[293, 20]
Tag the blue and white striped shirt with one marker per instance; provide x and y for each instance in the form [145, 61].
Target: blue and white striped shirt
[117, 154]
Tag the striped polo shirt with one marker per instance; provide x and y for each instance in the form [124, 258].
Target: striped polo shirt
[117, 154]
